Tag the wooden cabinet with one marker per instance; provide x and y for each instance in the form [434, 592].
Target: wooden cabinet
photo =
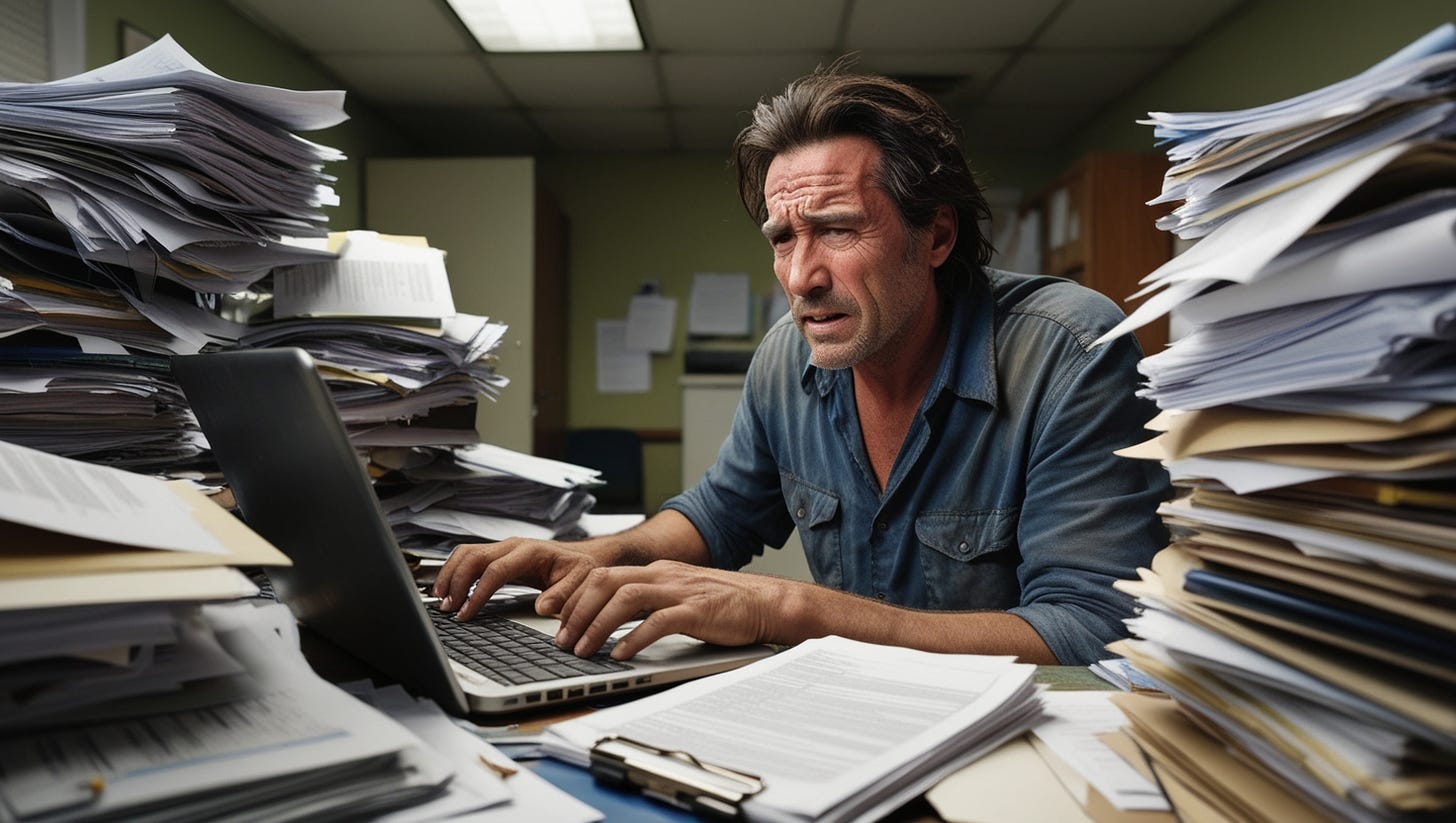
[1097, 229]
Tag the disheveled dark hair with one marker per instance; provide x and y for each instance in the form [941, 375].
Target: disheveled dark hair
[922, 166]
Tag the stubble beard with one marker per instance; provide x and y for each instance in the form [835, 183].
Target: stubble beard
[833, 355]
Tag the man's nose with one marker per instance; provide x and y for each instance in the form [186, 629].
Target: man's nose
[806, 273]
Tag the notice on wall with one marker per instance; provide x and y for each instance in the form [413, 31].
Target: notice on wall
[650, 322]
[720, 305]
[620, 370]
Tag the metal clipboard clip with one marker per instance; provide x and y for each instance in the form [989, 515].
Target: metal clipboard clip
[673, 776]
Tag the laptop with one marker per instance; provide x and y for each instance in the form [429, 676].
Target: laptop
[277, 436]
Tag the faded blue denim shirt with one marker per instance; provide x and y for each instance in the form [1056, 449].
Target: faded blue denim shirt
[1006, 493]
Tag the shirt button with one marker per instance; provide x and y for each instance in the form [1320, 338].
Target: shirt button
[879, 595]
[800, 513]
[882, 525]
[964, 547]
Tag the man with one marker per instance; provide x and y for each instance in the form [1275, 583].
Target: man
[941, 434]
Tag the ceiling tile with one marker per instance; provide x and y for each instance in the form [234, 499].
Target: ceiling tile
[1093, 24]
[731, 80]
[410, 80]
[709, 129]
[766, 25]
[949, 76]
[456, 131]
[590, 131]
[944, 25]
[570, 81]
[1020, 126]
[1073, 76]
[710, 61]
[363, 25]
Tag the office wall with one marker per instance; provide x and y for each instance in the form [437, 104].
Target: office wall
[481, 211]
[1269, 50]
[636, 218]
[232, 46]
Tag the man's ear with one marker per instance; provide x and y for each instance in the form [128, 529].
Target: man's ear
[943, 228]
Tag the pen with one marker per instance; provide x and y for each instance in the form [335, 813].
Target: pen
[502, 770]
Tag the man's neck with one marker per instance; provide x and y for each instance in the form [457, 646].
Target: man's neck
[901, 376]
[888, 392]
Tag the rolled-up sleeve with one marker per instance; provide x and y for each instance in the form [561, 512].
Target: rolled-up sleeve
[1089, 516]
[738, 506]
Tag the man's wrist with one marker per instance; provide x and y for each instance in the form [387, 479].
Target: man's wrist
[799, 612]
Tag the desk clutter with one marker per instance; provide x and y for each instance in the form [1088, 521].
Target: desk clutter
[152, 208]
[1292, 654]
[1302, 620]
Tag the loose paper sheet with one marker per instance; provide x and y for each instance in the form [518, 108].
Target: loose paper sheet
[719, 305]
[619, 369]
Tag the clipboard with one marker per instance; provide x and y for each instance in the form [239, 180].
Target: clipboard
[674, 777]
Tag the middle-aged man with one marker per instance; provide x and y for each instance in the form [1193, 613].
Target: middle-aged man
[940, 433]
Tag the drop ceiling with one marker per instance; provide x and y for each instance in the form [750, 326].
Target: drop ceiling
[1017, 74]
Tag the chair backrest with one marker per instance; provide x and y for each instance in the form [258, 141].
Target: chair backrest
[617, 454]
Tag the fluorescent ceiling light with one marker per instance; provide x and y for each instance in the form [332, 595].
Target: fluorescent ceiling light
[551, 25]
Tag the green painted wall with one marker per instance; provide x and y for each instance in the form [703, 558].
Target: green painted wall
[1267, 51]
[232, 46]
[636, 218]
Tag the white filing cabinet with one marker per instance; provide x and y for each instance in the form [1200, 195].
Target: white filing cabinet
[709, 401]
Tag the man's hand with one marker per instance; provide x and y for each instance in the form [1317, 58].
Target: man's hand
[555, 568]
[713, 605]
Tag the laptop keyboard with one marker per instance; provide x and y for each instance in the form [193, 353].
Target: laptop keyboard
[511, 653]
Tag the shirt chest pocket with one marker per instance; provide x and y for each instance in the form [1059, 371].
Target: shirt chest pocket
[816, 515]
[969, 559]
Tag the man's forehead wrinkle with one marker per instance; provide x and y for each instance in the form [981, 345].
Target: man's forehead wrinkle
[804, 185]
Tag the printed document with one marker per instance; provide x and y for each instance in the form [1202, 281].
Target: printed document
[836, 729]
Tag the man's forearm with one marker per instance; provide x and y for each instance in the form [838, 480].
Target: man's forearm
[667, 535]
[815, 611]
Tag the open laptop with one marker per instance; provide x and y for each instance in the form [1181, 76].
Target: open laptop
[277, 436]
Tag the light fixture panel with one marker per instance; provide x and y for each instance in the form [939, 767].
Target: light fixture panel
[550, 25]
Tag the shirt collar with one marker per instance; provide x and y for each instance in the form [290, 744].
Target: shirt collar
[968, 367]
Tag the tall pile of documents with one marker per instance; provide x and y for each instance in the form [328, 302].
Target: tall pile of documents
[151, 208]
[133, 199]
[136, 682]
[1302, 618]
[381, 325]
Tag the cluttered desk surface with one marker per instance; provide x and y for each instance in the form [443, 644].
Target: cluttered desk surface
[1003, 786]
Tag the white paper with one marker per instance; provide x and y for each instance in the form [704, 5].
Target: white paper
[1077, 718]
[719, 305]
[97, 502]
[619, 369]
[288, 722]
[373, 277]
[650, 322]
[833, 726]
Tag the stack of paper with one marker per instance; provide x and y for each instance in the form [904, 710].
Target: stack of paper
[834, 728]
[155, 163]
[437, 498]
[121, 409]
[380, 323]
[135, 680]
[1302, 618]
[135, 200]
[382, 327]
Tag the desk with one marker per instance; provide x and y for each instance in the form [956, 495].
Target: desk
[335, 664]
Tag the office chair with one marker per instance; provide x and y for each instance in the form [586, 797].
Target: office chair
[617, 454]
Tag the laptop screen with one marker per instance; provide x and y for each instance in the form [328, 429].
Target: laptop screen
[277, 436]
